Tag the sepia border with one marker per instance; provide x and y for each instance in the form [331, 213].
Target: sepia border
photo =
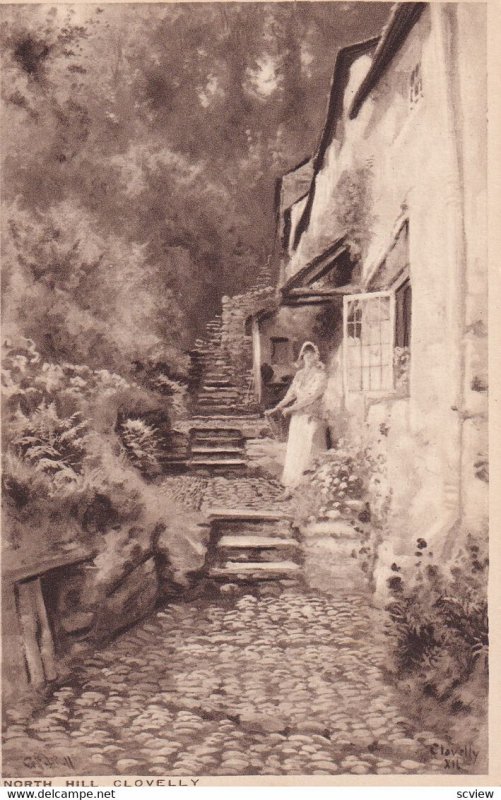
[493, 778]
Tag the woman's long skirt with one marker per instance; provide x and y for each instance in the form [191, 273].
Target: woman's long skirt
[307, 438]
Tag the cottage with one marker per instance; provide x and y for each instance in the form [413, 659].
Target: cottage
[383, 263]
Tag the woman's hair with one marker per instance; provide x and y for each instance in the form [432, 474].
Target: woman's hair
[308, 347]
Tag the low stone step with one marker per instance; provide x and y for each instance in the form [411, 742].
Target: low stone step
[218, 374]
[231, 444]
[220, 388]
[223, 463]
[221, 411]
[217, 394]
[217, 449]
[209, 408]
[224, 381]
[205, 404]
[248, 416]
[256, 542]
[216, 383]
[220, 456]
[218, 441]
[267, 529]
[255, 570]
[243, 513]
[218, 430]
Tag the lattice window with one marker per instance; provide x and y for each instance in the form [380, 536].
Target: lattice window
[369, 325]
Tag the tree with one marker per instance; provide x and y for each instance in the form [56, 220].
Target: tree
[161, 128]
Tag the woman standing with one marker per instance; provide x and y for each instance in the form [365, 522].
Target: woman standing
[307, 431]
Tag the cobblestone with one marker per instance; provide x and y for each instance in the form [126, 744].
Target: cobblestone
[282, 682]
[229, 688]
[195, 492]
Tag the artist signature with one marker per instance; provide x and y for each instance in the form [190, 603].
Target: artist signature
[49, 762]
[456, 757]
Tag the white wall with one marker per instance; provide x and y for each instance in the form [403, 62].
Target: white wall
[412, 167]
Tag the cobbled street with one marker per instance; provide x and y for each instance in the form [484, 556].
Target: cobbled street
[269, 680]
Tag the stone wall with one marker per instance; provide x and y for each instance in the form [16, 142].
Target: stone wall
[236, 337]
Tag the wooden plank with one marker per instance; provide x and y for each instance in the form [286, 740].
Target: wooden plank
[14, 668]
[18, 573]
[45, 635]
[29, 625]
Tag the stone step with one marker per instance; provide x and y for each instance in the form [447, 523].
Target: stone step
[217, 375]
[243, 529]
[226, 443]
[221, 421]
[255, 570]
[222, 463]
[220, 388]
[218, 379]
[255, 542]
[216, 449]
[221, 384]
[218, 394]
[223, 412]
[248, 514]
[215, 456]
[218, 441]
[206, 409]
[216, 383]
[222, 430]
[227, 402]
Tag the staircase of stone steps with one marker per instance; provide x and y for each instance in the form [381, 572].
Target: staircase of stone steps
[250, 546]
[217, 449]
[217, 392]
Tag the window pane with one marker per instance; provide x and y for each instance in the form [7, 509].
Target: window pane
[369, 343]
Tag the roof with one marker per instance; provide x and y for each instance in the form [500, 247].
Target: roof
[317, 267]
[344, 61]
[14, 570]
[402, 19]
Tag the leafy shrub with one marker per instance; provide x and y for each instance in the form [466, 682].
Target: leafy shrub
[176, 391]
[142, 445]
[54, 445]
[438, 626]
[61, 447]
[347, 478]
[333, 479]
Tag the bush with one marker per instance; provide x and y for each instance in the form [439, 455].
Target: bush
[438, 627]
[141, 442]
[176, 391]
[54, 445]
[62, 451]
[342, 475]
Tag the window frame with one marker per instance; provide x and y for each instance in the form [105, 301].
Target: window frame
[284, 340]
[350, 298]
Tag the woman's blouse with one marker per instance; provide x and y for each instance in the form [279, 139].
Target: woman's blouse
[307, 389]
